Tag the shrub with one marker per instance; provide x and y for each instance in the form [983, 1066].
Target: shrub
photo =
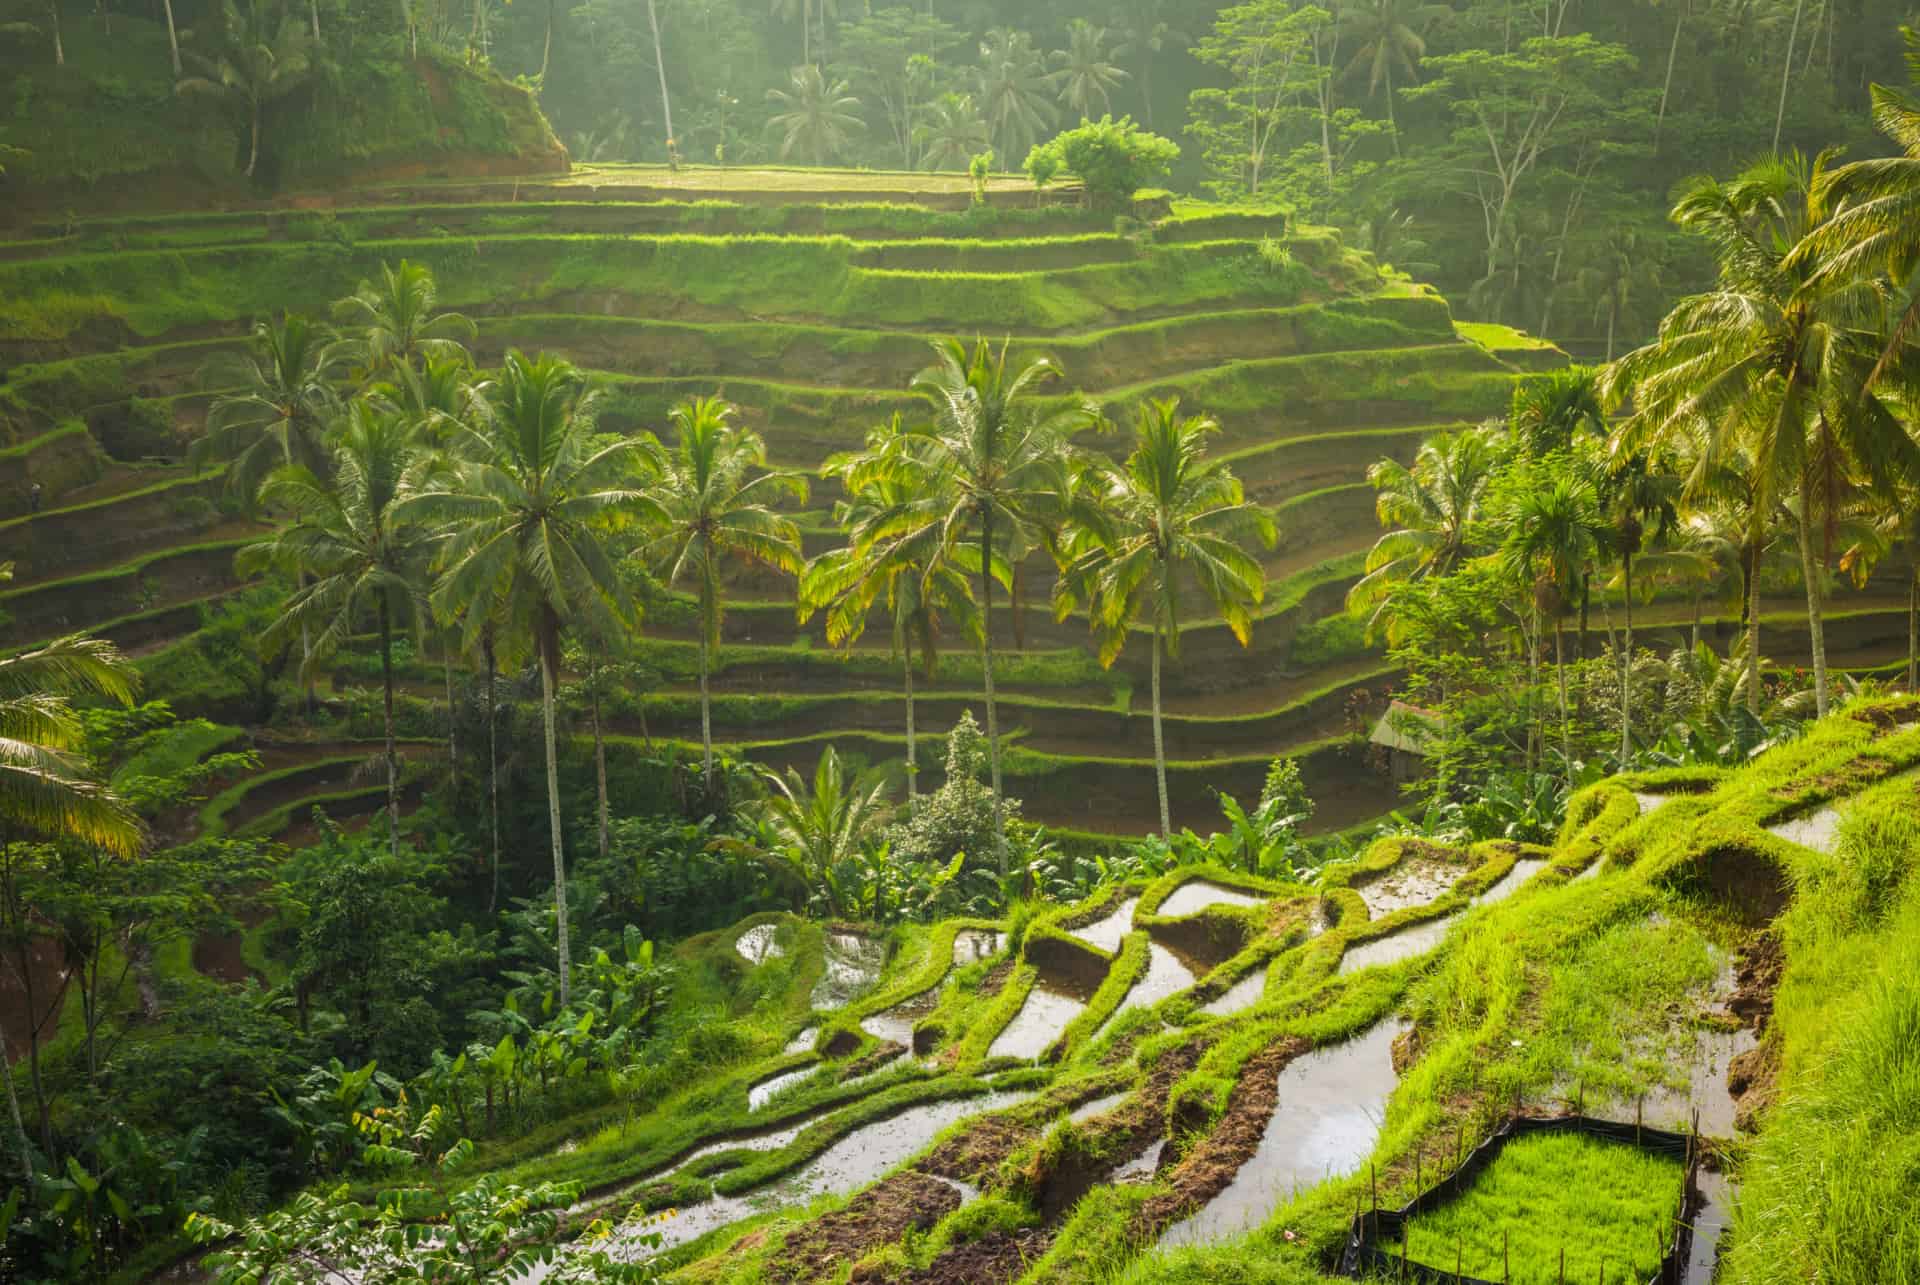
[1113, 159]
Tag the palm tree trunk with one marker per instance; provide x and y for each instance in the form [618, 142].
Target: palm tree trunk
[1159, 744]
[1393, 126]
[1536, 735]
[599, 758]
[913, 758]
[13, 1110]
[493, 764]
[1666, 90]
[660, 64]
[549, 663]
[1913, 634]
[1753, 634]
[1780, 116]
[59, 49]
[706, 714]
[1566, 723]
[313, 7]
[253, 147]
[1816, 627]
[453, 725]
[393, 758]
[546, 50]
[173, 37]
[1626, 665]
[986, 655]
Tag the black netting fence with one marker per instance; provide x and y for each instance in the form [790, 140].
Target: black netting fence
[1377, 1243]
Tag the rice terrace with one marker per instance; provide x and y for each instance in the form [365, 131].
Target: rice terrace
[732, 643]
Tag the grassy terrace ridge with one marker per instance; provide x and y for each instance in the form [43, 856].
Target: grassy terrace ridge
[1594, 976]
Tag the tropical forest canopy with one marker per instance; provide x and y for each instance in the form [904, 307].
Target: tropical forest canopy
[736, 642]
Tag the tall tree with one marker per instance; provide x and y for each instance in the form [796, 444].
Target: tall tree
[891, 558]
[1639, 494]
[951, 132]
[393, 323]
[1266, 49]
[709, 503]
[528, 515]
[1553, 534]
[278, 396]
[346, 538]
[1776, 359]
[1387, 35]
[894, 57]
[997, 451]
[1082, 76]
[820, 828]
[1013, 94]
[1166, 514]
[819, 118]
[264, 55]
[1145, 34]
[1428, 510]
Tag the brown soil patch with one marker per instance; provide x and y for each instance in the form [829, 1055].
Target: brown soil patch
[1207, 1170]
[881, 1215]
[994, 1259]
[996, 978]
[1067, 966]
[974, 1154]
[872, 1061]
[1884, 720]
[1407, 1047]
[843, 1043]
[928, 1038]
[1203, 942]
[1755, 979]
[1751, 885]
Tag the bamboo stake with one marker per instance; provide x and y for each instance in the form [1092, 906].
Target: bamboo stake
[1563, 1265]
[1506, 1257]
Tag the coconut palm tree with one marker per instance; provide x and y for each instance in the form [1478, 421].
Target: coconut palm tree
[391, 323]
[279, 396]
[819, 117]
[822, 827]
[1166, 514]
[44, 789]
[1639, 495]
[1013, 93]
[892, 557]
[265, 55]
[1428, 509]
[1550, 410]
[1554, 533]
[1779, 359]
[355, 552]
[710, 503]
[1082, 76]
[996, 454]
[527, 551]
[1874, 221]
[951, 132]
[1893, 534]
[1387, 34]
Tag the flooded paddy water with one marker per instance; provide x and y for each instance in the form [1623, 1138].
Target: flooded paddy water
[1512, 881]
[1817, 830]
[853, 965]
[1165, 976]
[1198, 894]
[1107, 932]
[1405, 944]
[1243, 994]
[975, 944]
[764, 1092]
[756, 945]
[1325, 1123]
[1038, 1023]
[1415, 881]
[896, 1024]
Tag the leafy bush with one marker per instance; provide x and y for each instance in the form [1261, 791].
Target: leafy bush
[1114, 159]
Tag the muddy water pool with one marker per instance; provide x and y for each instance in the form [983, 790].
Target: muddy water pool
[1413, 882]
[1325, 1124]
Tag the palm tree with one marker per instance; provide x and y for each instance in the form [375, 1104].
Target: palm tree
[267, 54]
[359, 554]
[818, 117]
[1082, 75]
[1012, 81]
[1874, 224]
[804, 10]
[1144, 35]
[1636, 489]
[393, 322]
[996, 454]
[919, 580]
[1549, 410]
[831, 823]
[709, 503]
[1428, 509]
[951, 132]
[1166, 512]
[1389, 34]
[1894, 532]
[1554, 532]
[279, 394]
[528, 515]
[1777, 358]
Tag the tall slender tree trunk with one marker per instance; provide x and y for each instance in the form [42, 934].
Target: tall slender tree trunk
[660, 64]
[1626, 665]
[1786, 75]
[913, 756]
[1159, 743]
[599, 758]
[706, 715]
[546, 49]
[453, 724]
[173, 37]
[1913, 633]
[1812, 571]
[393, 757]
[13, 1111]
[1666, 90]
[59, 48]
[1566, 721]
[1753, 634]
[253, 146]
[986, 655]
[1393, 125]
[549, 665]
[493, 763]
[1536, 736]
